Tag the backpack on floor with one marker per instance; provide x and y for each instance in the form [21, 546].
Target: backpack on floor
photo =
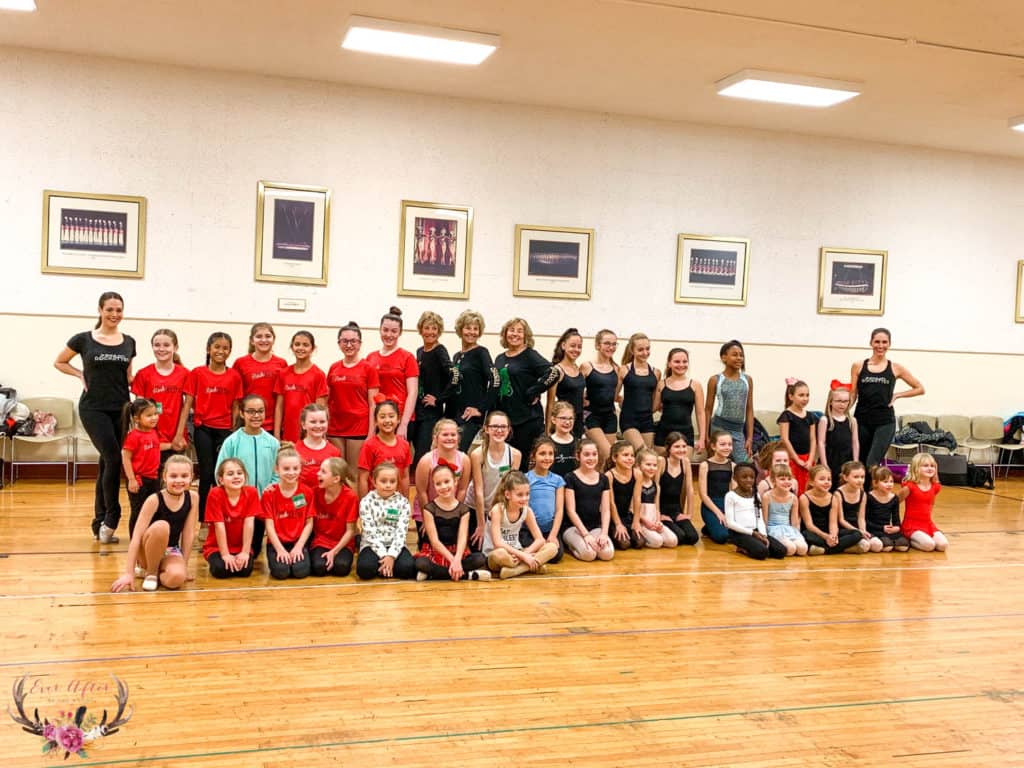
[980, 477]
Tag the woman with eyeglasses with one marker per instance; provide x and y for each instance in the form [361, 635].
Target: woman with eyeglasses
[352, 385]
[604, 380]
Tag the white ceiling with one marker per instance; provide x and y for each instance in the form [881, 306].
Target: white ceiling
[955, 87]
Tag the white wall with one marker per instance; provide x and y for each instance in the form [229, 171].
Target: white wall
[196, 142]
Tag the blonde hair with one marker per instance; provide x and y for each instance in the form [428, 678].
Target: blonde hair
[469, 317]
[559, 407]
[828, 410]
[441, 424]
[920, 459]
[643, 453]
[527, 332]
[338, 467]
[286, 451]
[627, 355]
[177, 458]
[259, 327]
[430, 318]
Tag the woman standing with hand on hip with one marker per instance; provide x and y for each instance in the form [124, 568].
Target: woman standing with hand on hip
[106, 375]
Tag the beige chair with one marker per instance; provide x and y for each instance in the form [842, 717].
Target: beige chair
[34, 451]
[767, 419]
[986, 435]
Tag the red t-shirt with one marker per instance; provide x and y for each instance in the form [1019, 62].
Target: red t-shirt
[289, 513]
[917, 510]
[332, 519]
[393, 370]
[220, 510]
[167, 392]
[214, 395]
[145, 450]
[374, 451]
[258, 379]
[348, 398]
[311, 461]
[298, 391]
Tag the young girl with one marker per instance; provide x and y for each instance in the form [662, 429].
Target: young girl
[571, 384]
[296, 387]
[314, 447]
[588, 508]
[730, 402]
[352, 385]
[232, 509]
[435, 382]
[919, 491]
[140, 454]
[603, 383]
[851, 500]
[647, 510]
[164, 532]
[475, 379]
[385, 445]
[715, 480]
[837, 429]
[563, 420]
[164, 382]
[680, 399]
[797, 432]
[253, 446]
[743, 518]
[621, 473]
[639, 383]
[287, 511]
[489, 463]
[334, 526]
[510, 514]
[212, 394]
[783, 513]
[397, 370]
[882, 511]
[444, 450]
[771, 456]
[675, 479]
[260, 368]
[384, 514]
[444, 553]
[819, 517]
[547, 496]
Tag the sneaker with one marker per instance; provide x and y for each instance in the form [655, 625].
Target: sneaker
[421, 576]
[107, 535]
[150, 583]
[480, 575]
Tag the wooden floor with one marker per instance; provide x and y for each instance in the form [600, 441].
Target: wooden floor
[688, 657]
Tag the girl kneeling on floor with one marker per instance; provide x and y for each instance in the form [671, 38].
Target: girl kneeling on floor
[384, 514]
[231, 512]
[288, 512]
[334, 527]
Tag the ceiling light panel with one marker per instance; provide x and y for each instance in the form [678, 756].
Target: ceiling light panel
[780, 88]
[415, 41]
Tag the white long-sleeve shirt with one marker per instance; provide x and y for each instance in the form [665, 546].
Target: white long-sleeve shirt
[741, 515]
[384, 522]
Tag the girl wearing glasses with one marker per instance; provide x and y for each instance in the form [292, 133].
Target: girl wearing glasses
[352, 384]
[488, 464]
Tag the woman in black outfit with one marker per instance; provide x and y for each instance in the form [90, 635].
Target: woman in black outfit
[105, 375]
[435, 383]
[474, 379]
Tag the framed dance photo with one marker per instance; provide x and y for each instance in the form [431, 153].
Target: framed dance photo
[712, 270]
[88, 234]
[293, 223]
[851, 281]
[434, 250]
[553, 262]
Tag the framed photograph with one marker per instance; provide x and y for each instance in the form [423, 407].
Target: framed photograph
[851, 281]
[1019, 314]
[293, 222]
[553, 262]
[87, 234]
[434, 249]
[712, 270]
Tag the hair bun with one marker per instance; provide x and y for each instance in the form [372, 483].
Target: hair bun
[395, 311]
[351, 324]
[286, 445]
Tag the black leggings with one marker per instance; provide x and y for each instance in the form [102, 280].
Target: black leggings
[474, 561]
[755, 548]
[279, 570]
[342, 562]
[522, 438]
[147, 487]
[368, 562]
[220, 571]
[468, 431]
[208, 442]
[683, 529]
[104, 429]
[847, 539]
[875, 440]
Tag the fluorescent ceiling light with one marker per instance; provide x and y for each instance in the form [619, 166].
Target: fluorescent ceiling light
[787, 89]
[1017, 123]
[17, 5]
[415, 41]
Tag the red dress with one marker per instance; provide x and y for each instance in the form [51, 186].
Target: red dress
[917, 514]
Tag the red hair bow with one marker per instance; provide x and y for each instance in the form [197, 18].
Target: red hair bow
[455, 468]
[837, 384]
[379, 398]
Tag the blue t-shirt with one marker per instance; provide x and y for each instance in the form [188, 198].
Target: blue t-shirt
[542, 497]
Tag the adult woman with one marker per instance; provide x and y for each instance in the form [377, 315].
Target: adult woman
[105, 375]
[396, 369]
[474, 377]
[524, 375]
[571, 384]
[873, 385]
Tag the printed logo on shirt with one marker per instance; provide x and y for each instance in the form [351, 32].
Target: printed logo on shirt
[110, 357]
[875, 380]
[216, 391]
[292, 388]
[258, 375]
[159, 389]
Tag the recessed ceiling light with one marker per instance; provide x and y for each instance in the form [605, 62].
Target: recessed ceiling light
[17, 5]
[415, 41]
[1017, 123]
[782, 88]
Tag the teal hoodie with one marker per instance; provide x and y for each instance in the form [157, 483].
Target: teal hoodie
[257, 452]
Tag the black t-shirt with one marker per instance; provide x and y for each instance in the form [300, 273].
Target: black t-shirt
[799, 431]
[588, 499]
[475, 382]
[105, 367]
[565, 458]
[447, 522]
[435, 379]
[523, 378]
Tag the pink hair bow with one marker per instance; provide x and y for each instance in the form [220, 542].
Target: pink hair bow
[790, 381]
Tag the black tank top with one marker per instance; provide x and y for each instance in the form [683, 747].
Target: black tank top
[671, 492]
[648, 493]
[638, 393]
[874, 393]
[838, 444]
[719, 479]
[850, 510]
[677, 410]
[601, 391]
[622, 493]
[819, 514]
[570, 389]
[176, 520]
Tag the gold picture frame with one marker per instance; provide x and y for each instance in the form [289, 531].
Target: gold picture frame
[435, 249]
[851, 281]
[93, 234]
[1019, 313]
[553, 262]
[293, 225]
[712, 269]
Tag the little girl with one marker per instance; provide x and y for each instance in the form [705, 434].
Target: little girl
[730, 402]
[797, 432]
[743, 518]
[231, 512]
[563, 420]
[164, 382]
[385, 445]
[675, 479]
[489, 463]
[296, 387]
[444, 553]
[919, 490]
[547, 496]
[783, 515]
[352, 385]
[715, 480]
[771, 456]
[260, 368]
[314, 447]
[603, 383]
[622, 473]
[140, 454]
[646, 493]
[820, 517]
[288, 515]
[588, 508]
[882, 511]
[850, 500]
[384, 514]
[681, 402]
[510, 514]
[164, 532]
[334, 526]
[253, 446]
[837, 429]
[639, 382]
[444, 451]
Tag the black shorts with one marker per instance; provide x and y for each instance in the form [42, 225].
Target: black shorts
[641, 424]
[606, 422]
[663, 432]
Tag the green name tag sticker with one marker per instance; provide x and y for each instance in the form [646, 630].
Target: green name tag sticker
[299, 500]
[504, 468]
[392, 512]
[159, 409]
